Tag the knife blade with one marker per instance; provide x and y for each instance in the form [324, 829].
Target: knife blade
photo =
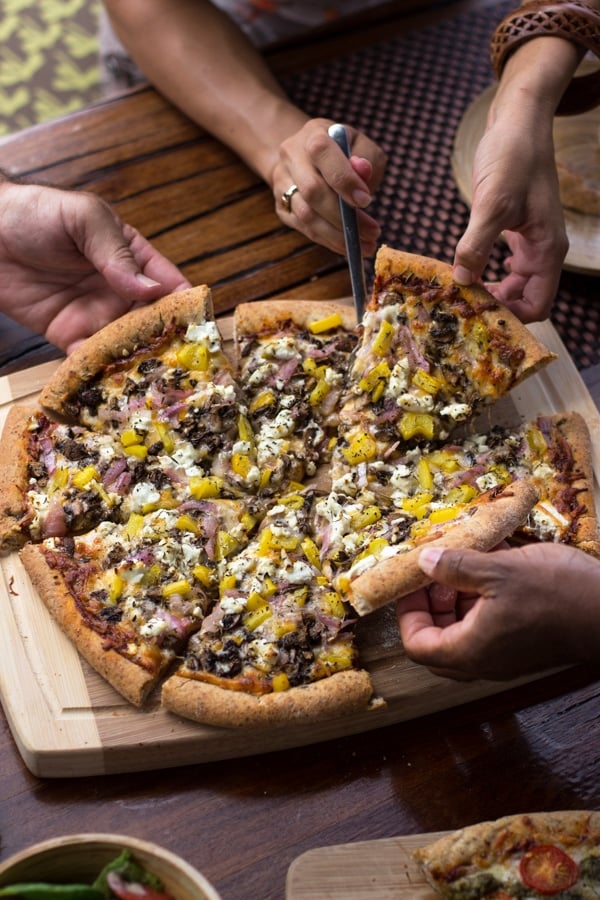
[351, 236]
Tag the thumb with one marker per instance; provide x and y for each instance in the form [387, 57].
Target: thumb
[474, 248]
[463, 570]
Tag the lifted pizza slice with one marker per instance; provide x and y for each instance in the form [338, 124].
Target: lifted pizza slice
[432, 354]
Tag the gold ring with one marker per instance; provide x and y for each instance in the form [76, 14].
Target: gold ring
[286, 197]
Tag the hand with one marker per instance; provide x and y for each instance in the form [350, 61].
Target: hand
[68, 266]
[515, 192]
[313, 161]
[502, 614]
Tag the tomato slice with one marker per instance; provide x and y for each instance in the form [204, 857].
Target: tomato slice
[548, 869]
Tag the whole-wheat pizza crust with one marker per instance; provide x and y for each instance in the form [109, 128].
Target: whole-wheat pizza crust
[13, 477]
[273, 315]
[480, 846]
[131, 680]
[339, 694]
[118, 340]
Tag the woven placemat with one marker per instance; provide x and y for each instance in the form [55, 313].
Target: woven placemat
[409, 94]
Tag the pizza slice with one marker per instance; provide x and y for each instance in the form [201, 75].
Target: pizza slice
[160, 382]
[530, 856]
[432, 353]
[472, 493]
[292, 360]
[129, 595]
[279, 646]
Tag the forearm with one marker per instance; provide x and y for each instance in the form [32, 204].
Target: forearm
[204, 64]
[533, 81]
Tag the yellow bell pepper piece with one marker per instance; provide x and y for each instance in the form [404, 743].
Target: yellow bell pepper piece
[241, 464]
[280, 682]
[117, 585]
[334, 604]
[536, 440]
[383, 341]
[224, 545]
[380, 372]
[417, 506]
[428, 383]
[257, 617]
[361, 448]
[262, 400]
[203, 574]
[245, 429]
[60, 478]
[445, 514]
[133, 525]
[326, 324]
[227, 583]
[137, 450]
[166, 436]
[416, 425]
[254, 601]
[368, 516]
[319, 392]
[193, 356]
[311, 552]
[82, 478]
[203, 487]
[185, 522]
[424, 476]
[176, 587]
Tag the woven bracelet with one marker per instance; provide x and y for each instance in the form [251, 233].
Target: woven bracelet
[572, 20]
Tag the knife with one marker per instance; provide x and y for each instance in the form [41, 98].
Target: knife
[351, 237]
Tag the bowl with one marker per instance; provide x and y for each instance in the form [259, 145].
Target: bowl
[80, 857]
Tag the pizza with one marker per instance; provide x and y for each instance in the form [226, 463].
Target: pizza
[209, 523]
[519, 856]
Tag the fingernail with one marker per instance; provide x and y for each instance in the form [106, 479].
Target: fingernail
[361, 198]
[147, 282]
[428, 558]
[463, 276]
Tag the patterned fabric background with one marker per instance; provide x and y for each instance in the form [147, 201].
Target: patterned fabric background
[48, 60]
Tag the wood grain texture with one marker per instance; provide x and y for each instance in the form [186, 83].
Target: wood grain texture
[365, 870]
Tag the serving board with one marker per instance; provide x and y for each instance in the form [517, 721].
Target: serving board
[67, 721]
[364, 870]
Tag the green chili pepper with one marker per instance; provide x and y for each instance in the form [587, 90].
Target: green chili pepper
[41, 891]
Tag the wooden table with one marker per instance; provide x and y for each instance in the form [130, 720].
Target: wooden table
[242, 822]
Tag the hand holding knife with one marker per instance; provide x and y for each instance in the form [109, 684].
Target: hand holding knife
[351, 235]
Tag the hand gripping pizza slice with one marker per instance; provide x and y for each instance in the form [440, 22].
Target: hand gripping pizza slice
[472, 493]
[530, 856]
[129, 595]
[278, 647]
[159, 381]
[292, 358]
[432, 354]
[376, 518]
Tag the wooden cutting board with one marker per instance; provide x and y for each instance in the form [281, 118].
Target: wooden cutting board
[67, 721]
[364, 870]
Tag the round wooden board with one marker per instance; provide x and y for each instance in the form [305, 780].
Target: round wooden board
[576, 141]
